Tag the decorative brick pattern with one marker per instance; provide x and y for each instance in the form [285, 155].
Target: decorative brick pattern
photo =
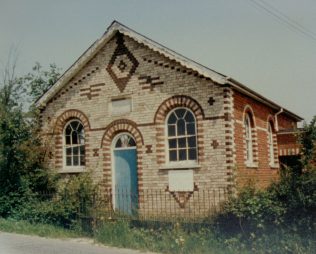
[74, 84]
[91, 91]
[149, 82]
[58, 131]
[174, 66]
[182, 197]
[211, 101]
[122, 65]
[96, 152]
[215, 144]
[149, 149]
[113, 129]
[160, 116]
[229, 137]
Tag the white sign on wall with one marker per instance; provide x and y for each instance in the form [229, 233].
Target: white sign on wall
[181, 180]
[121, 106]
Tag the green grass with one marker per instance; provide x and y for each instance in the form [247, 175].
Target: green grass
[45, 230]
[166, 239]
[183, 239]
[177, 238]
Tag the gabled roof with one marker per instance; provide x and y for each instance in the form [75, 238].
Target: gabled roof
[172, 55]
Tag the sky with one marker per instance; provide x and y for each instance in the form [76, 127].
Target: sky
[235, 37]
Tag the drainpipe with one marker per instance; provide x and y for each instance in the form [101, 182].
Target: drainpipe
[276, 119]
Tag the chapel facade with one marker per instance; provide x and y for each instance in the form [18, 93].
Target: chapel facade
[141, 117]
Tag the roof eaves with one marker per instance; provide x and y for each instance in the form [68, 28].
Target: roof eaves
[246, 90]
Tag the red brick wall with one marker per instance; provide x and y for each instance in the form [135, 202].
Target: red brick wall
[288, 144]
[262, 173]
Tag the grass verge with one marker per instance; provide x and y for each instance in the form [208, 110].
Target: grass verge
[44, 230]
[176, 238]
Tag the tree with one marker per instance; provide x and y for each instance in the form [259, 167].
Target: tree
[21, 153]
[39, 81]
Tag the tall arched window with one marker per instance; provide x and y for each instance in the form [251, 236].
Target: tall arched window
[74, 144]
[181, 136]
[248, 139]
[270, 143]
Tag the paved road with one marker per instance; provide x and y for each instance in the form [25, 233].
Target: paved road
[22, 244]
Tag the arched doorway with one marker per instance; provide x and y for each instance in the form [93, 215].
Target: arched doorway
[124, 174]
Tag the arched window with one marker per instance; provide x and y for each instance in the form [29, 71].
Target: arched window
[74, 144]
[181, 135]
[270, 143]
[248, 139]
[125, 141]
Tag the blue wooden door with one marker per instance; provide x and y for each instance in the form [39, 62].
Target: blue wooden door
[126, 193]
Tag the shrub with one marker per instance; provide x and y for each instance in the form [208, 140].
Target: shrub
[73, 199]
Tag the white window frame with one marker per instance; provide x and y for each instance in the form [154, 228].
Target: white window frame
[66, 168]
[248, 141]
[271, 145]
[184, 163]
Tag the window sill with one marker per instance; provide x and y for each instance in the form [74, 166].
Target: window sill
[180, 166]
[72, 170]
[251, 165]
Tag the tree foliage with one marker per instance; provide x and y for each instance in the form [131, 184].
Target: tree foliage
[288, 205]
[21, 153]
[39, 81]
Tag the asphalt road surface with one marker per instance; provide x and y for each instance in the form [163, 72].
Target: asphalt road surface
[23, 244]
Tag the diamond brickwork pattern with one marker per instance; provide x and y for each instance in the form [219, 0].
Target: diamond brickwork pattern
[122, 65]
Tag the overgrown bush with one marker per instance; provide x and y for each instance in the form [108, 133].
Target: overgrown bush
[74, 198]
[285, 210]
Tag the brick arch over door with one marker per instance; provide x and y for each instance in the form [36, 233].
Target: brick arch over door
[113, 129]
[160, 118]
[58, 132]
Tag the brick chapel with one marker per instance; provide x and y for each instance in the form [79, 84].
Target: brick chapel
[141, 117]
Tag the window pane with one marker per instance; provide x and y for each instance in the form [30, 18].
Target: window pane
[74, 125]
[76, 160]
[118, 143]
[68, 161]
[172, 143]
[80, 129]
[68, 151]
[181, 127]
[192, 141]
[192, 154]
[131, 142]
[171, 130]
[182, 142]
[81, 140]
[191, 128]
[173, 155]
[82, 150]
[68, 140]
[75, 150]
[182, 154]
[68, 130]
[189, 117]
[172, 119]
[74, 136]
[180, 112]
